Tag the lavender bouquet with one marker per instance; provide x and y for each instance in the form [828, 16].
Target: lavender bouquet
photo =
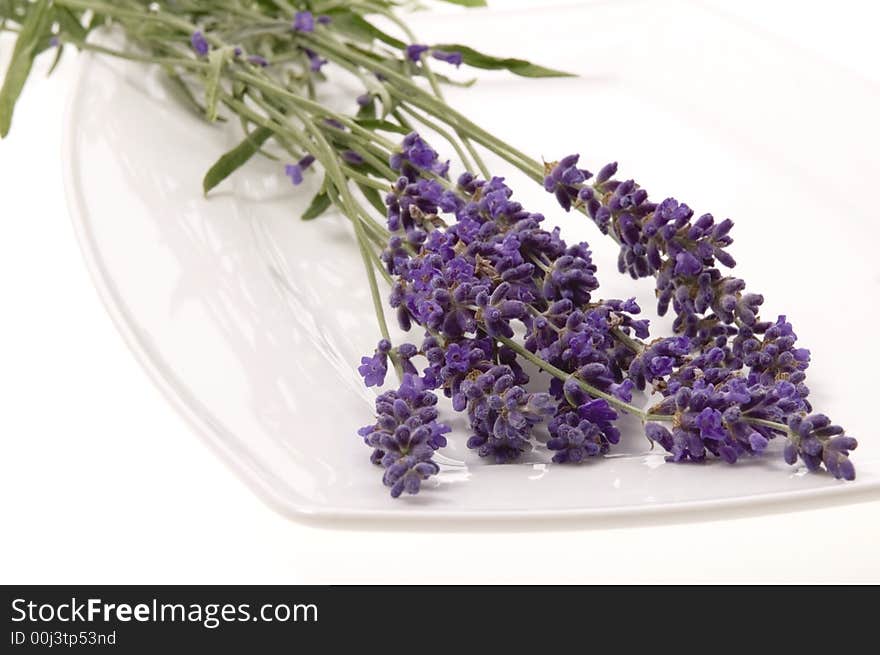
[485, 286]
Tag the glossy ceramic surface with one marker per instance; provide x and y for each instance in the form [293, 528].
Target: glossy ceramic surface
[252, 321]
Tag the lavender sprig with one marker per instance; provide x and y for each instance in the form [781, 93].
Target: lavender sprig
[467, 282]
[488, 285]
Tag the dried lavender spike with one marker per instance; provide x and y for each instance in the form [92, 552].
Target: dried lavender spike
[469, 262]
[731, 373]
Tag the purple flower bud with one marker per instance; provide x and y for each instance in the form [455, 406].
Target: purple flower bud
[758, 442]
[199, 43]
[295, 171]
[606, 172]
[454, 58]
[687, 264]
[303, 21]
[415, 51]
[315, 60]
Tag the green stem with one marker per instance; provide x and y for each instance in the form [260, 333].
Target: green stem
[311, 106]
[562, 375]
[114, 11]
[435, 87]
[405, 89]
[350, 207]
[773, 425]
[130, 56]
[366, 180]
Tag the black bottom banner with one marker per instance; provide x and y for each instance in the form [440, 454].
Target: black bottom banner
[257, 619]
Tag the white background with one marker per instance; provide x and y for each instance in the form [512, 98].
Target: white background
[102, 482]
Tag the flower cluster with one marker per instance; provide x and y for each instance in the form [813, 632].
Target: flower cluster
[728, 376]
[405, 436]
[470, 264]
[502, 413]
[816, 441]
[489, 286]
[774, 356]
[585, 429]
[720, 418]
[662, 240]
[416, 156]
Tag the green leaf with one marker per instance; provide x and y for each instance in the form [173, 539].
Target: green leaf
[70, 25]
[516, 66]
[216, 61]
[59, 52]
[34, 32]
[320, 204]
[357, 27]
[380, 125]
[367, 111]
[246, 126]
[468, 3]
[373, 198]
[235, 158]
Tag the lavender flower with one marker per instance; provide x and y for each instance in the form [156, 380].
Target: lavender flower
[454, 58]
[581, 432]
[502, 414]
[416, 155]
[470, 265]
[415, 51]
[730, 370]
[316, 62]
[773, 356]
[199, 44]
[662, 240]
[303, 21]
[405, 436]
[816, 441]
[468, 282]
[373, 369]
[656, 362]
[563, 179]
[352, 157]
[720, 418]
[295, 171]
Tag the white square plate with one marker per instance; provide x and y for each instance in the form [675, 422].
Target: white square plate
[252, 321]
